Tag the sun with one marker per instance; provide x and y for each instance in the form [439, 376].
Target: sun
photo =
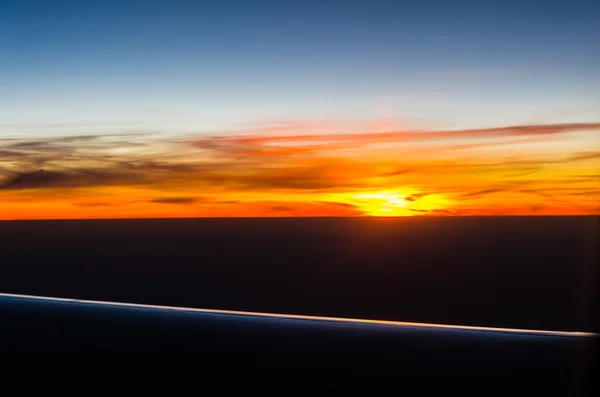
[405, 201]
[383, 204]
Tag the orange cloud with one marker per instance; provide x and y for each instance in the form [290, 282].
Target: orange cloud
[366, 138]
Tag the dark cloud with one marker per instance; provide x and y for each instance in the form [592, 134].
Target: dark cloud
[414, 197]
[92, 204]
[589, 193]
[176, 200]
[32, 145]
[537, 192]
[341, 205]
[293, 178]
[288, 180]
[397, 172]
[281, 208]
[10, 155]
[561, 190]
[82, 143]
[536, 208]
[504, 187]
[95, 137]
[81, 161]
[527, 172]
[150, 166]
[301, 207]
[585, 156]
[440, 211]
[38, 153]
[521, 165]
[43, 179]
[34, 179]
[77, 138]
[483, 192]
[154, 172]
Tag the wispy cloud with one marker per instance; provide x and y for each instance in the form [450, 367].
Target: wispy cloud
[263, 146]
[176, 200]
[479, 193]
[70, 179]
[91, 204]
[585, 156]
[365, 138]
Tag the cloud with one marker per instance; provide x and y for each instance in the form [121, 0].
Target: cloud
[442, 211]
[311, 208]
[306, 178]
[482, 192]
[536, 192]
[281, 208]
[38, 145]
[71, 152]
[68, 179]
[365, 138]
[92, 204]
[414, 197]
[77, 138]
[10, 155]
[86, 161]
[524, 130]
[176, 200]
[339, 205]
[585, 156]
[156, 166]
[536, 208]
[267, 147]
[153, 174]
[588, 193]
[397, 172]
[527, 172]
[508, 186]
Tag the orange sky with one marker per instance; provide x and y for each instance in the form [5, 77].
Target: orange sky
[304, 170]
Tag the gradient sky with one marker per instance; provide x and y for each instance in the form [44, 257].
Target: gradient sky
[294, 108]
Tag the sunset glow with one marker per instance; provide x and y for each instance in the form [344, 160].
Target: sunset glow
[176, 111]
[243, 175]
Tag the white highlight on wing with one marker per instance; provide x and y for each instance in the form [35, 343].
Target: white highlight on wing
[305, 317]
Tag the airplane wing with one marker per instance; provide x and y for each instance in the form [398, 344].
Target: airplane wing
[248, 350]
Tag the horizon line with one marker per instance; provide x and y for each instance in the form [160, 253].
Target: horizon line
[310, 217]
[306, 317]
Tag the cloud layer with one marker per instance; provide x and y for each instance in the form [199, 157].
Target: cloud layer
[278, 170]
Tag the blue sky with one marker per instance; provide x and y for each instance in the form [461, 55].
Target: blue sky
[73, 67]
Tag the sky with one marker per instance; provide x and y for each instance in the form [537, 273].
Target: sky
[191, 108]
